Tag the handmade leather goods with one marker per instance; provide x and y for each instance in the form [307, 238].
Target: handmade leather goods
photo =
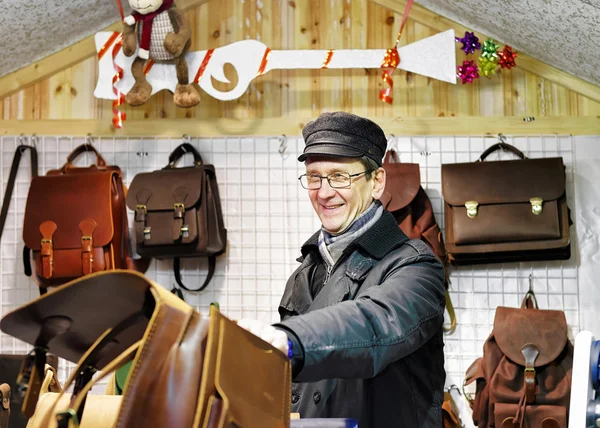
[4, 405]
[76, 221]
[178, 213]
[450, 416]
[10, 367]
[524, 377]
[505, 211]
[406, 199]
[219, 374]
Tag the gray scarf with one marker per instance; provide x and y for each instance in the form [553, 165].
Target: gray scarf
[331, 247]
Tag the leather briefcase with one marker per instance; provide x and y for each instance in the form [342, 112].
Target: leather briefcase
[178, 213]
[187, 370]
[506, 211]
[76, 222]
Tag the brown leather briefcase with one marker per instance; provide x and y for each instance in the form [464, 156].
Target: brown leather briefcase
[505, 211]
[76, 221]
[187, 371]
[178, 213]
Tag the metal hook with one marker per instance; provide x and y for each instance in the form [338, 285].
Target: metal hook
[390, 137]
[530, 284]
[89, 139]
[186, 138]
[34, 140]
[282, 144]
[22, 139]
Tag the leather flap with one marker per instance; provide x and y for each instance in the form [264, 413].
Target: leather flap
[402, 185]
[496, 182]
[515, 328]
[257, 387]
[92, 304]
[160, 190]
[67, 200]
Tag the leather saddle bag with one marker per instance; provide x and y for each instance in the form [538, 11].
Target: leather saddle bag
[178, 213]
[216, 373]
[506, 211]
[76, 221]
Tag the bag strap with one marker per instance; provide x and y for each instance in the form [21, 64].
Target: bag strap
[529, 301]
[212, 262]
[391, 157]
[71, 418]
[451, 314]
[12, 176]
[87, 147]
[501, 146]
[181, 151]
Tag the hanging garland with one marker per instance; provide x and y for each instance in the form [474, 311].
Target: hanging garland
[490, 61]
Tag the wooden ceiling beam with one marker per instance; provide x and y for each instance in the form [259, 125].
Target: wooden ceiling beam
[439, 23]
[225, 127]
[64, 58]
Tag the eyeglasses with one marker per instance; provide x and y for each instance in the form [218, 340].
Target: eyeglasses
[337, 180]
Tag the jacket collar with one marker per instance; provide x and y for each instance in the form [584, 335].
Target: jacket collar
[377, 241]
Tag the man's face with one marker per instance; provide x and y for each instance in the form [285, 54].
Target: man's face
[338, 208]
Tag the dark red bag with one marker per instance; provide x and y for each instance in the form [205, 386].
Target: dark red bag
[409, 204]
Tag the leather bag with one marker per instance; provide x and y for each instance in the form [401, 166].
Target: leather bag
[506, 211]
[76, 222]
[524, 377]
[178, 355]
[10, 367]
[178, 213]
[408, 202]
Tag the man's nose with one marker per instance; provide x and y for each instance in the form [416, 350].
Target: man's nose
[326, 191]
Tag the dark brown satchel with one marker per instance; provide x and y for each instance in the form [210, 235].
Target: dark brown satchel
[524, 377]
[505, 211]
[406, 199]
[178, 213]
[76, 221]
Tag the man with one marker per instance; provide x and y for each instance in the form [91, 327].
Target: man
[363, 313]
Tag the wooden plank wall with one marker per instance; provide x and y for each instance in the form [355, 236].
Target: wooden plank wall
[308, 24]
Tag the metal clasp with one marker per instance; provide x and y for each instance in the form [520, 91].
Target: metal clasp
[471, 207]
[147, 233]
[185, 231]
[536, 205]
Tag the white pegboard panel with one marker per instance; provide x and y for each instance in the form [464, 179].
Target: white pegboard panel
[268, 216]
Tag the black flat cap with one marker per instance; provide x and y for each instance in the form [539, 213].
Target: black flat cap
[342, 134]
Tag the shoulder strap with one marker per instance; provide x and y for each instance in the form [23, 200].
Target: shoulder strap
[212, 261]
[21, 149]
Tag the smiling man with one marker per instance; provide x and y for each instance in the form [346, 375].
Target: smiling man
[363, 313]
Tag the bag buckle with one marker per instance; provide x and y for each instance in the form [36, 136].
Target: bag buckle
[140, 212]
[471, 207]
[179, 209]
[536, 205]
[147, 233]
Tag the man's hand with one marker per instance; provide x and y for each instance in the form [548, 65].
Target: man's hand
[266, 332]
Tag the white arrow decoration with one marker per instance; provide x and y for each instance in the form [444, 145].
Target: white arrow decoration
[433, 57]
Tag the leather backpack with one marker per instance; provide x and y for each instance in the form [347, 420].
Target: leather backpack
[406, 199]
[524, 377]
[76, 222]
[178, 213]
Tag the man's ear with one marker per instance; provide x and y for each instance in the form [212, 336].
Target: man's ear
[378, 183]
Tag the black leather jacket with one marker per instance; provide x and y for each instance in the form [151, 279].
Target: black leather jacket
[372, 337]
